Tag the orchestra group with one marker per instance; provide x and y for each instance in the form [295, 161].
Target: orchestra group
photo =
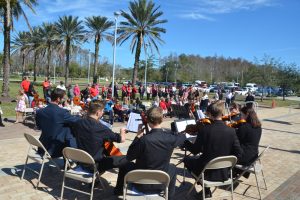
[238, 136]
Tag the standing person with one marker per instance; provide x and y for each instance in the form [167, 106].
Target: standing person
[134, 91]
[148, 91]
[116, 95]
[30, 94]
[154, 92]
[129, 91]
[212, 141]
[216, 97]
[55, 123]
[249, 98]
[46, 87]
[93, 92]
[25, 84]
[76, 90]
[22, 99]
[124, 91]
[91, 134]
[158, 142]
[141, 91]
[220, 94]
[85, 93]
[70, 92]
[163, 106]
[228, 98]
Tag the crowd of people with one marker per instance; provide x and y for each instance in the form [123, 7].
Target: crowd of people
[87, 133]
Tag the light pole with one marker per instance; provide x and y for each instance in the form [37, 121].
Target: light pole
[116, 14]
[176, 67]
[146, 46]
[89, 66]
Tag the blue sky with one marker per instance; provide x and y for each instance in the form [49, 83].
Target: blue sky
[229, 28]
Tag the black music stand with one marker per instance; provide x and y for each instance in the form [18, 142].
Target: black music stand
[180, 112]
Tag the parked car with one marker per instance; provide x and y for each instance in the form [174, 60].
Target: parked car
[242, 91]
[251, 87]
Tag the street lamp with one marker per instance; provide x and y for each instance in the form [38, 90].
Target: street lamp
[116, 14]
[146, 46]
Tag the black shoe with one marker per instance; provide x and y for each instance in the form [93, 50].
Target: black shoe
[118, 192]
[207, 194]
[2, 125]
[246, 175]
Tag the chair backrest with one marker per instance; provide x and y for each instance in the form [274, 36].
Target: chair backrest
[141, 176]
[221, 162]
[78, 155]
[33, 141]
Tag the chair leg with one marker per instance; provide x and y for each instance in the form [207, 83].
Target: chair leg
[262, 172]
[257, 185]
[92, 189]
[190, 190]
[40, 174]
[24, 169]
[184, 167]
[63, 187]
[231, 184]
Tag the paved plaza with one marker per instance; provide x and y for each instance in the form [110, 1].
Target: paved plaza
[281, 130]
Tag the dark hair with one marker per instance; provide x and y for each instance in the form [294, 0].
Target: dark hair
[235, 105]
[155, 115]
[57, 93]
[216, 109]
[251, 116]
[94, 106]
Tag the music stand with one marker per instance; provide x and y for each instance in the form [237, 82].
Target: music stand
[180, 111]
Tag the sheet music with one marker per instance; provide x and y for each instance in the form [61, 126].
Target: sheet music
[133, 122]
[180, 125]
[190, 121]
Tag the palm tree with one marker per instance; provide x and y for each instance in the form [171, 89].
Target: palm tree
[8, 9]
[49, 40]
[98, 27]
[35, 44]
[141, 25]
[20, 43]
[70, 31]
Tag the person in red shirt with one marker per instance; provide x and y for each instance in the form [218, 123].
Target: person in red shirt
[124, 91]
[94, 92]
[129, 90]
[163, 106]
[46, 87]
[25, 84]
[134, 91]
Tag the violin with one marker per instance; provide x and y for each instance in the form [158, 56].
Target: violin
[228, 117]
[193, 129]
[76, 101]
[237, 123]
[145, 121]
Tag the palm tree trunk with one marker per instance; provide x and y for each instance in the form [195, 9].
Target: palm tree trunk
[137, 59]
[68, 44]
[49, 60]
[23, 63]
[6, 49]
[34, 66]
[97, 42]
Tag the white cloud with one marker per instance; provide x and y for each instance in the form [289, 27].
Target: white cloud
[206, 9]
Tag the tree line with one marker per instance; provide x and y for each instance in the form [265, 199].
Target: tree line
[141, 25]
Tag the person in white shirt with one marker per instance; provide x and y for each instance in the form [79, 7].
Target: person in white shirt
[61, 86]
[228, 98]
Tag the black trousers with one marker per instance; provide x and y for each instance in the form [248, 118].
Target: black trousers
[111, 162]
[132, 166]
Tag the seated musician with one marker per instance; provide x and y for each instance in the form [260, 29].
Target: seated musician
[55, 123]
[158, 142]
[109, 111]
[212, 141]
[119, 110]
[249, 134]
[234, 113]
[91, 134]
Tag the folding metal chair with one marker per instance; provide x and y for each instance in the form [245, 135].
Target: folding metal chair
[217, 163]
[33, 155]
[77, 155]
[146, 177]
[254, 168]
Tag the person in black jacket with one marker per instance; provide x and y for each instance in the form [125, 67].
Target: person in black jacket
[213, 141]
[90, 135]
[55, 123]
[152, 151]
[249, 134]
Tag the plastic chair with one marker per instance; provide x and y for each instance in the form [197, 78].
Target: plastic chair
[217, 163]
[33, 155]
[146, 177]
[77, 155]
[255, 168]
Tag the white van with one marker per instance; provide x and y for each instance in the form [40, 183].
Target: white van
[252, 87]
